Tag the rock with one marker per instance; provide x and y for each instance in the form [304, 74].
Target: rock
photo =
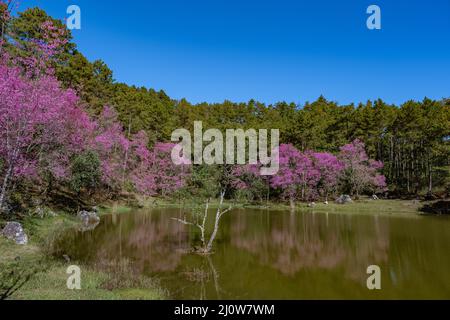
[343, 199]
[89, 220]
[88, 216]
[6, 209]
[14, 231]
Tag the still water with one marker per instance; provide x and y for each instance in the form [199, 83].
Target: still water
[262, 254]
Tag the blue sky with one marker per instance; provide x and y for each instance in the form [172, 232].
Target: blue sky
[211, 50]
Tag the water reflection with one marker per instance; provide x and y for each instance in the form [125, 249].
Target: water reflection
[152, 242]
[293, 242]
[275, 255]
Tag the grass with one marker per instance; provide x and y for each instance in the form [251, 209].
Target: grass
[363, 206]
[51, 285]
[369, 206]
[49, 280]
[115, 208]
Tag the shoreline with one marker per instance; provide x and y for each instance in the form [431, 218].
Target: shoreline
[366, 206]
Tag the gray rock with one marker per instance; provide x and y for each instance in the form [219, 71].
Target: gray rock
[89, 220]
[6, 209]
[88, 216]
[14, 231]
[343, 199]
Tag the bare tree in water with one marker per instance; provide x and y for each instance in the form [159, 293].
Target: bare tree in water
[201, 221]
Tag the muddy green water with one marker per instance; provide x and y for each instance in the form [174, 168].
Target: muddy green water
[274, 254]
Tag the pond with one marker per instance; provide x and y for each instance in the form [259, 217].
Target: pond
[261, 254]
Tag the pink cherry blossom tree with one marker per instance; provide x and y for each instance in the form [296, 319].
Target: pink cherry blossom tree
[360, 172]
[330, 169]
[169, 176]
[40, 126]
[38, 56]
[152, 171]
[111, 146]
[297, 175]
[141, 175]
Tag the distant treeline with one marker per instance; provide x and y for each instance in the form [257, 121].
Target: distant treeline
[413, 139]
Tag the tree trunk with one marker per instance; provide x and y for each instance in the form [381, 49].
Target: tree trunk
[430, 178]
[5, 187]
[292, 203]
[216, 224]
[202, 229]
[125, 162]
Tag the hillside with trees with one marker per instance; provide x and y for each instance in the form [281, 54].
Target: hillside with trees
[67, 127]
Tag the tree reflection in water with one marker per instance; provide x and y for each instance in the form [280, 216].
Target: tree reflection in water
[303, 240]
[273, 254]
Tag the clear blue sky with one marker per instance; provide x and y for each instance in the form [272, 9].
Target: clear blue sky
[212, 50]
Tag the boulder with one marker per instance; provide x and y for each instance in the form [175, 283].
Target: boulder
[88, 217]
[14, 231]
[343, 199]
[89, 220]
